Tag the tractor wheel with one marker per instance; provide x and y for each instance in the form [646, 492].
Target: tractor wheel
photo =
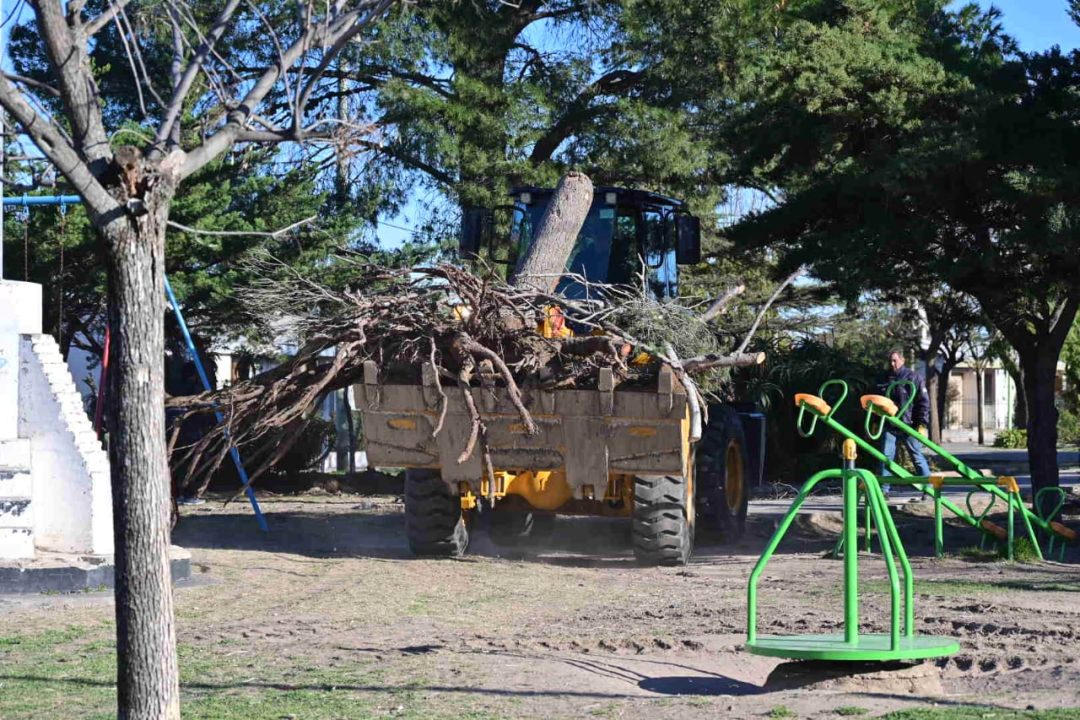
[513, 527]
[433, 520]
[722, 471]
[663, 520]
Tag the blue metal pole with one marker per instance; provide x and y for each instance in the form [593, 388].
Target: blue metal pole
[233, 452]
[31, 200]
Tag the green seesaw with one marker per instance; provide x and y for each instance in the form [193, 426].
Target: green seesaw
[901, 643]
[882, 411]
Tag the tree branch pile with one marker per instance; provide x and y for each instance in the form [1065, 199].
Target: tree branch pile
[472, 327]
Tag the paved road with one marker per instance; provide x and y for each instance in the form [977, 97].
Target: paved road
[1002, 461]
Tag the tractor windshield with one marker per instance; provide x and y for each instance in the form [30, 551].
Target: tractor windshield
[613, 242]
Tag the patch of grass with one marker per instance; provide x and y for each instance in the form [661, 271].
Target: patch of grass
[1048, 586]
[851, 710]
[977, 554]
[975, 712]
[70, 672]
[421, 605]
[1024, 551]
[781, 711]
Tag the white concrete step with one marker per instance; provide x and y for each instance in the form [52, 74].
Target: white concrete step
[16, 543]
[16, 483]
[15, 454]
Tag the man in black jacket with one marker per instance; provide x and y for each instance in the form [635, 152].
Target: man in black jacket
[917, 416]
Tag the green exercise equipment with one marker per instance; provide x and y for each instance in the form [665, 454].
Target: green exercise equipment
[901, 643]
[881, 414]
[1059, 534]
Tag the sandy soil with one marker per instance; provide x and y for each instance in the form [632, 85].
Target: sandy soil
[573, 627]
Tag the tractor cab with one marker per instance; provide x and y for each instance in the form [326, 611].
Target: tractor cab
[625, 233]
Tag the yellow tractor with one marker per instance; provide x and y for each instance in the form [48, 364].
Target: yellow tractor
[615, 452]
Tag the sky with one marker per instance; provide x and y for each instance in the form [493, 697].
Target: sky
[1038, 24]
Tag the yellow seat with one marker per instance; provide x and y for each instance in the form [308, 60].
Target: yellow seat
[882, 403]
[994, 529]
[1065, 532]
[1008, 484]
[814, 402]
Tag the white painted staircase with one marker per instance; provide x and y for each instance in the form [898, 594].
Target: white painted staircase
[16, 513]
[68, 468]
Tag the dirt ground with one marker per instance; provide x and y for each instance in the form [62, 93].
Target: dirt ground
[330, 603]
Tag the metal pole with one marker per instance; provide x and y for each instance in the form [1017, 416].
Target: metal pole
[778, 535]
[33, 200]
[233, 452]
[939, 525]
[851, 550]
[25, 200]
[882, 519]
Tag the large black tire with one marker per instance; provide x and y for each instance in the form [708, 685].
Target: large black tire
[434, 523]
[722, 471]
[663, 522]
[513, 527]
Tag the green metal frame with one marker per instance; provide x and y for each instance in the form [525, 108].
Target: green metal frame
[899, 644]
[1054, 537]
[902, 477]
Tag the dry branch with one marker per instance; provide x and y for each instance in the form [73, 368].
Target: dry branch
[447, 317]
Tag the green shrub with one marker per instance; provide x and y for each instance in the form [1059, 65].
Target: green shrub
[1013, 438]
[1068, 427]
[1023, 551]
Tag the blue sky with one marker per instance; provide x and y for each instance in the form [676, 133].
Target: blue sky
[1038, 24]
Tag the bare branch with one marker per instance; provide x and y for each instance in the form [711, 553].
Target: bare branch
[94, 26]
[180, 92]
[761, 314]
[67, 55]
[719, 306]
[49, 89]
[57, 149]
[242, 233]
[715, 360]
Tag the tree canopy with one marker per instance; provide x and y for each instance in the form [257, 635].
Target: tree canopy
[911, 142]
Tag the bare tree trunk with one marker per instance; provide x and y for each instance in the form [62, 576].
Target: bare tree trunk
[546, 258]
[943, 394]
[979, 403]
[933, 386]
[147, 676]
[352, 435]
[1040, 373]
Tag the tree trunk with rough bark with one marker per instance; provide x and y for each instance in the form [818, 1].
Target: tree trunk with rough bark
[979, 404]
[1040, 374]
[943, 394]
[134, 250]
[932, 387]
[544, 262]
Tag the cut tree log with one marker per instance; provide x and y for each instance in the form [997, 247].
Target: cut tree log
[715, 360]
[541, 266]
